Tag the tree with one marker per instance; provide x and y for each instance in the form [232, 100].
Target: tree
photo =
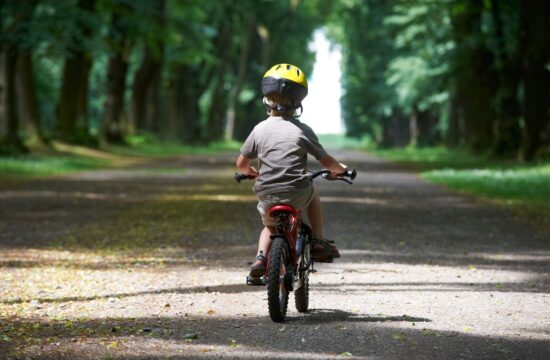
[145, 87]
[535, 17]
[507, 107]
[10, 142]
[73, 102]
[120, 43]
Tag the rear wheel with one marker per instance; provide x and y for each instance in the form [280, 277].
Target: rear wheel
[277, 293]
[301, 295]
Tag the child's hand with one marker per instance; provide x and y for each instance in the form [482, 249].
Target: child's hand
[339, 172]
[252, 171]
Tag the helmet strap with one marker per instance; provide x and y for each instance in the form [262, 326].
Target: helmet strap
[301, 111]
[282, 109]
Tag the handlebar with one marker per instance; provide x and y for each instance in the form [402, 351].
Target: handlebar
[240, 177]
[326, 174]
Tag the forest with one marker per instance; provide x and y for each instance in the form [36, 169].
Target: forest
[460, 73]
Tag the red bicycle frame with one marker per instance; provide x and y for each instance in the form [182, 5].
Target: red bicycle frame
[288, 221]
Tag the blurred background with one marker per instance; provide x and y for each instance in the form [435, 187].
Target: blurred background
[464, 74]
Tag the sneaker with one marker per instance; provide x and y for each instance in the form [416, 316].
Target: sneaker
[324, 250]
[258, 268]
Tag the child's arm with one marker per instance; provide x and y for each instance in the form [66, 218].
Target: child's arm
[334, 166]
[243, 166]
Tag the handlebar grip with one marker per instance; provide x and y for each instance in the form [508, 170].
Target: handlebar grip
[239, 177]
[352, 174]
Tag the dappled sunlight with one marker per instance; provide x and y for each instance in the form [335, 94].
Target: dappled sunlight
[205, 197]
[316, 335]
[353, 200]
[61, 195]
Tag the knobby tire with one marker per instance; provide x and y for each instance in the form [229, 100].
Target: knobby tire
[301, 294]
[277, 293]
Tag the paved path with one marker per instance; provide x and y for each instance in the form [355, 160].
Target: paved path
[149, 262]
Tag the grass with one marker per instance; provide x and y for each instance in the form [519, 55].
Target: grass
[477, 174]
[148, 145]
[528, 183]
[43, 165]
[338, 141]
[434, 158]
[64, 158]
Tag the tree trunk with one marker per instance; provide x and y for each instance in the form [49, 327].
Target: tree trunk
[215, 117]
[413, 126]
[114, 102]
[28, 102]
[535, 17]
[144, 92]
[145, 101]
[475, 78]
[73, 102]
[507, 129]
[73, 124]
[217, 108]
[241, 76]
[187, 112]
[9, 121]
[455, 130]
[112, 128]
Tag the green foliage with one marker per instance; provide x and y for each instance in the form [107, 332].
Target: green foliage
[434, 157]
[147, 144]
[478, 174]
[413, 72]
[333, 141]
[531, 183]
[42, 165]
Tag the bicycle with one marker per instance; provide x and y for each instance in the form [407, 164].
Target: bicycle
[289, 260]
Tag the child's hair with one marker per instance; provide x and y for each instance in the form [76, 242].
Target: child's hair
[279, 104]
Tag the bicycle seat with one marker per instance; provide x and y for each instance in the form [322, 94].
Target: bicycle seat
[282, 208]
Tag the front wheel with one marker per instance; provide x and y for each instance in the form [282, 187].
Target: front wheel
[277, 292]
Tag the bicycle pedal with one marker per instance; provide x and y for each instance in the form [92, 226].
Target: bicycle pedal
[312, 270]
[255, 281]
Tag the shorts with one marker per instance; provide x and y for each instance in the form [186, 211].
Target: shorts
[298, 199]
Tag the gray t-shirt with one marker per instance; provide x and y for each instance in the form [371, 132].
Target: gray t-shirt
[282, 146]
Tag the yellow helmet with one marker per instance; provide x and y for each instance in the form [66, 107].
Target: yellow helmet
[287, 80]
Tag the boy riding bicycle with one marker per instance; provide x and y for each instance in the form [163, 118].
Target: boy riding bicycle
[281, 143]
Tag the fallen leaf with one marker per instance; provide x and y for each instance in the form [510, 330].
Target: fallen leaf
[211, 312]
[191, 336]
[346, 353]
[400, 336]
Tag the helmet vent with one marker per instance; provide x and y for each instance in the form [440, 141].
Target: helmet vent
[298, 72]
[288, 67]
[278, 67]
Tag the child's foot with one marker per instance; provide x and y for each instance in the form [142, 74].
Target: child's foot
[324, 250]
[258, 268]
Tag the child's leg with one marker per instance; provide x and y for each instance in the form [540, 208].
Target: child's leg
[258, 267]
[265, 240]
[315, 216]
